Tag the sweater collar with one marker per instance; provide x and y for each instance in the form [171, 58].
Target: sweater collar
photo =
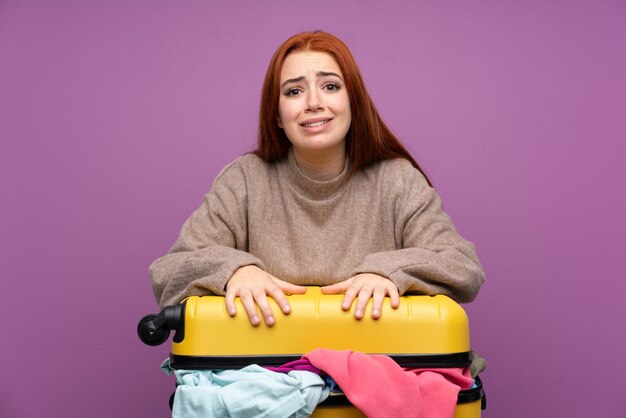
[313, 189]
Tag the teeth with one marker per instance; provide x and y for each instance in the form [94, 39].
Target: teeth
[315, 124]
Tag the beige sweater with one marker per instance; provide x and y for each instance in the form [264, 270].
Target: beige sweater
[384, 220]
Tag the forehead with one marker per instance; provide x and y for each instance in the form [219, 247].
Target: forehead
[308, 63]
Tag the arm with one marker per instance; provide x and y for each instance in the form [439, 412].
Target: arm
[211, 247]
[433, 258]
[210, 256]
[430, 256]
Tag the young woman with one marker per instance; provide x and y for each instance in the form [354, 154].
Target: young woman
[329, 198]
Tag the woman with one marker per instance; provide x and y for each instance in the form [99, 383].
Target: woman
[329, 198]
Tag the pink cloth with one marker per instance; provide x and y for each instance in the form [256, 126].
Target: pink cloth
[380, 388]
[300, 364]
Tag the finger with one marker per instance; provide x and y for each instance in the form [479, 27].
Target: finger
[333, 289]
[266, 311]
[278, 295]
[248, 304]
[364, 296]
[229, 300]
[394, 295]
[351, 293]
[377, 301]
[289, 288]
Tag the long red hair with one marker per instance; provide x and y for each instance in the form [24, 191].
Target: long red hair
[368, 140]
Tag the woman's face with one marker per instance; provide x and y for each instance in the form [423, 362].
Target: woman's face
[314, 107]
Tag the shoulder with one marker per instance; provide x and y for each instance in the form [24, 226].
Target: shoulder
[242, 169]
[396, 174]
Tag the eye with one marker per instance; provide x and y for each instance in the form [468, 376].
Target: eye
[332, 86]
[293, 92]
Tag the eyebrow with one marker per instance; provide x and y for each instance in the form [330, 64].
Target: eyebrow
[319, 73]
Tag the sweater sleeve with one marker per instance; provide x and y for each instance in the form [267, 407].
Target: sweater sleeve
[212, 244]
[432, 257]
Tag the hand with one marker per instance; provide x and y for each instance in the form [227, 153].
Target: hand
[252, 285]
[363, 286]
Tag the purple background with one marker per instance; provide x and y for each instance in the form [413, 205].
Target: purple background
[116, 116]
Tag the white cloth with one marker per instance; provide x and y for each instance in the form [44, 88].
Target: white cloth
[249, 392]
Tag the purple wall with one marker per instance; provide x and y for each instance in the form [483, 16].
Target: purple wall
[115, 118]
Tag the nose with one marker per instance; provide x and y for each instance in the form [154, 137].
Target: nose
[314, 101]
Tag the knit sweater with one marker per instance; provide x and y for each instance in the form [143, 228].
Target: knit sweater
[385, 219]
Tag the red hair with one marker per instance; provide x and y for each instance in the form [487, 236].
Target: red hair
[368, 140]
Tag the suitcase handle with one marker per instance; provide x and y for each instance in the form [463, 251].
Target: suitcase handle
[155, 329]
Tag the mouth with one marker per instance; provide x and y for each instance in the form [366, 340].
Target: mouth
[315, 123]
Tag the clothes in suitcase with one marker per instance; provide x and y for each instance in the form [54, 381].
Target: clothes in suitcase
[424, 332]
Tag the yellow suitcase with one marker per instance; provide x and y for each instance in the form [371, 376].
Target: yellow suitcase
[425, 331]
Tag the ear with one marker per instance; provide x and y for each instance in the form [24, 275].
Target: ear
[279, 123]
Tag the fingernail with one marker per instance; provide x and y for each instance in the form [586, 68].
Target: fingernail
[286, 308]
[375, 312]
[270, 320]
[357, 312]
[255, 319]
[232, 311]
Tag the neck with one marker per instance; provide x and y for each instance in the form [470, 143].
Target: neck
[321, 167]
